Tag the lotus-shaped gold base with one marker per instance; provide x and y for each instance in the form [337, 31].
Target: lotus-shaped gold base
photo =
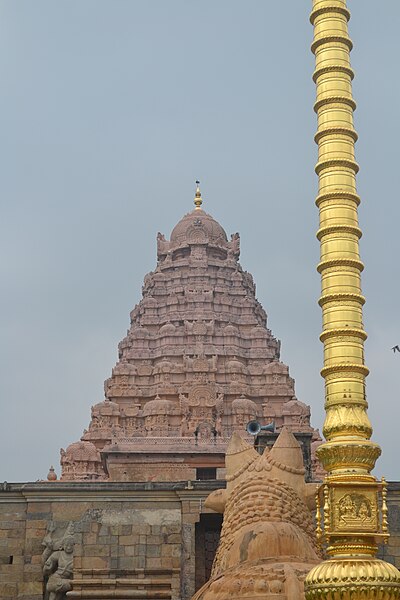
[353, 579]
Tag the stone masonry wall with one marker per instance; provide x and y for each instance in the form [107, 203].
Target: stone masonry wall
[391, 551]
[15, 537]
[141, 536]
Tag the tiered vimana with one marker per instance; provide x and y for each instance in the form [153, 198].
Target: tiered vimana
[198, 363]
[352, 501]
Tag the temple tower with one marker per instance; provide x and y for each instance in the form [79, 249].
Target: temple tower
[198, 363]
[353, 502]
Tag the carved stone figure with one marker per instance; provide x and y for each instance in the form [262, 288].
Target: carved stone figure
[48, 542]
[267, 543]
[58, 567]
[234, 246]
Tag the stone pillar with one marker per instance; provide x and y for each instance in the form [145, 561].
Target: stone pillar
[192, 505]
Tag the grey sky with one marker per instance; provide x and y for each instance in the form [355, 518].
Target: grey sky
[109, 110]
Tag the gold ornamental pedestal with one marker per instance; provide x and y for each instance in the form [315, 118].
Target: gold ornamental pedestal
[351, 503]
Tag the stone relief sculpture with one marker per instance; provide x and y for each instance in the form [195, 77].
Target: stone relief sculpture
[234, 246]
[57, 561]
[162, 245]
[267, 543]
[48, 542]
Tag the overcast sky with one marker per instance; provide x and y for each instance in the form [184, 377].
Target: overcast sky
[109, 111]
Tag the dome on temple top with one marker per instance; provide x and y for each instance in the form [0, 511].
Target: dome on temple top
[235, 366]
[276, 367]
[139, 332]
[106, 407]
[80, 451]
[195, 225]
[259, 332]
[168, 328]
[158, 406]
[295, 407]
[149, 302]
[231, 329]
[244, 405]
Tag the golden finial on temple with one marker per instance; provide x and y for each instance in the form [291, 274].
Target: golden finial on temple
[198, 200]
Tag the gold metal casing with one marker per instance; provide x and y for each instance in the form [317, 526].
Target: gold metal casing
[351, 503]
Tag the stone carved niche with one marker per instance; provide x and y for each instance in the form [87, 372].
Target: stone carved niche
[205, 430]
[296, 415]
[105, 416]
[124, 368]
[144, 369]
[267, 543]
[57, 560]
[231, 330]
[159, 416]
[164, 366]
[132, 421]
[200, 364]
[276, 368]
[235, 366]
[201, 406]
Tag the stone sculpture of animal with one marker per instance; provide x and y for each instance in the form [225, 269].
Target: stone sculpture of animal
[267, 543]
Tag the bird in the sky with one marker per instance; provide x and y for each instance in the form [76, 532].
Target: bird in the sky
[396, 348]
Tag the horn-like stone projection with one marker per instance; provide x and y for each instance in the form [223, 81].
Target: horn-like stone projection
[267, 541]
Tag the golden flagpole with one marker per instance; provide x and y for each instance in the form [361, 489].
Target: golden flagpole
[353, 502]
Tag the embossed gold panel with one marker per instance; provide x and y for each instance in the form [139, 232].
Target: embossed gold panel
[354, 510]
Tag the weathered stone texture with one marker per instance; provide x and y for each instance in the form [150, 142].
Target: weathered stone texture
[12, 547]
[117, 528]
[268, 542]
[125, 535]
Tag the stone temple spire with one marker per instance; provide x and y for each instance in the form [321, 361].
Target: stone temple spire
[354, 523]
[197, 364]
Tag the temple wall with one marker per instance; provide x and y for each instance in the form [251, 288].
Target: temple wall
[141, 534]
[391, 551]
[126, 536]
[16, 539]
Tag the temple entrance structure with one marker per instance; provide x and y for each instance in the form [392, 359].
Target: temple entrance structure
[208, 533]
